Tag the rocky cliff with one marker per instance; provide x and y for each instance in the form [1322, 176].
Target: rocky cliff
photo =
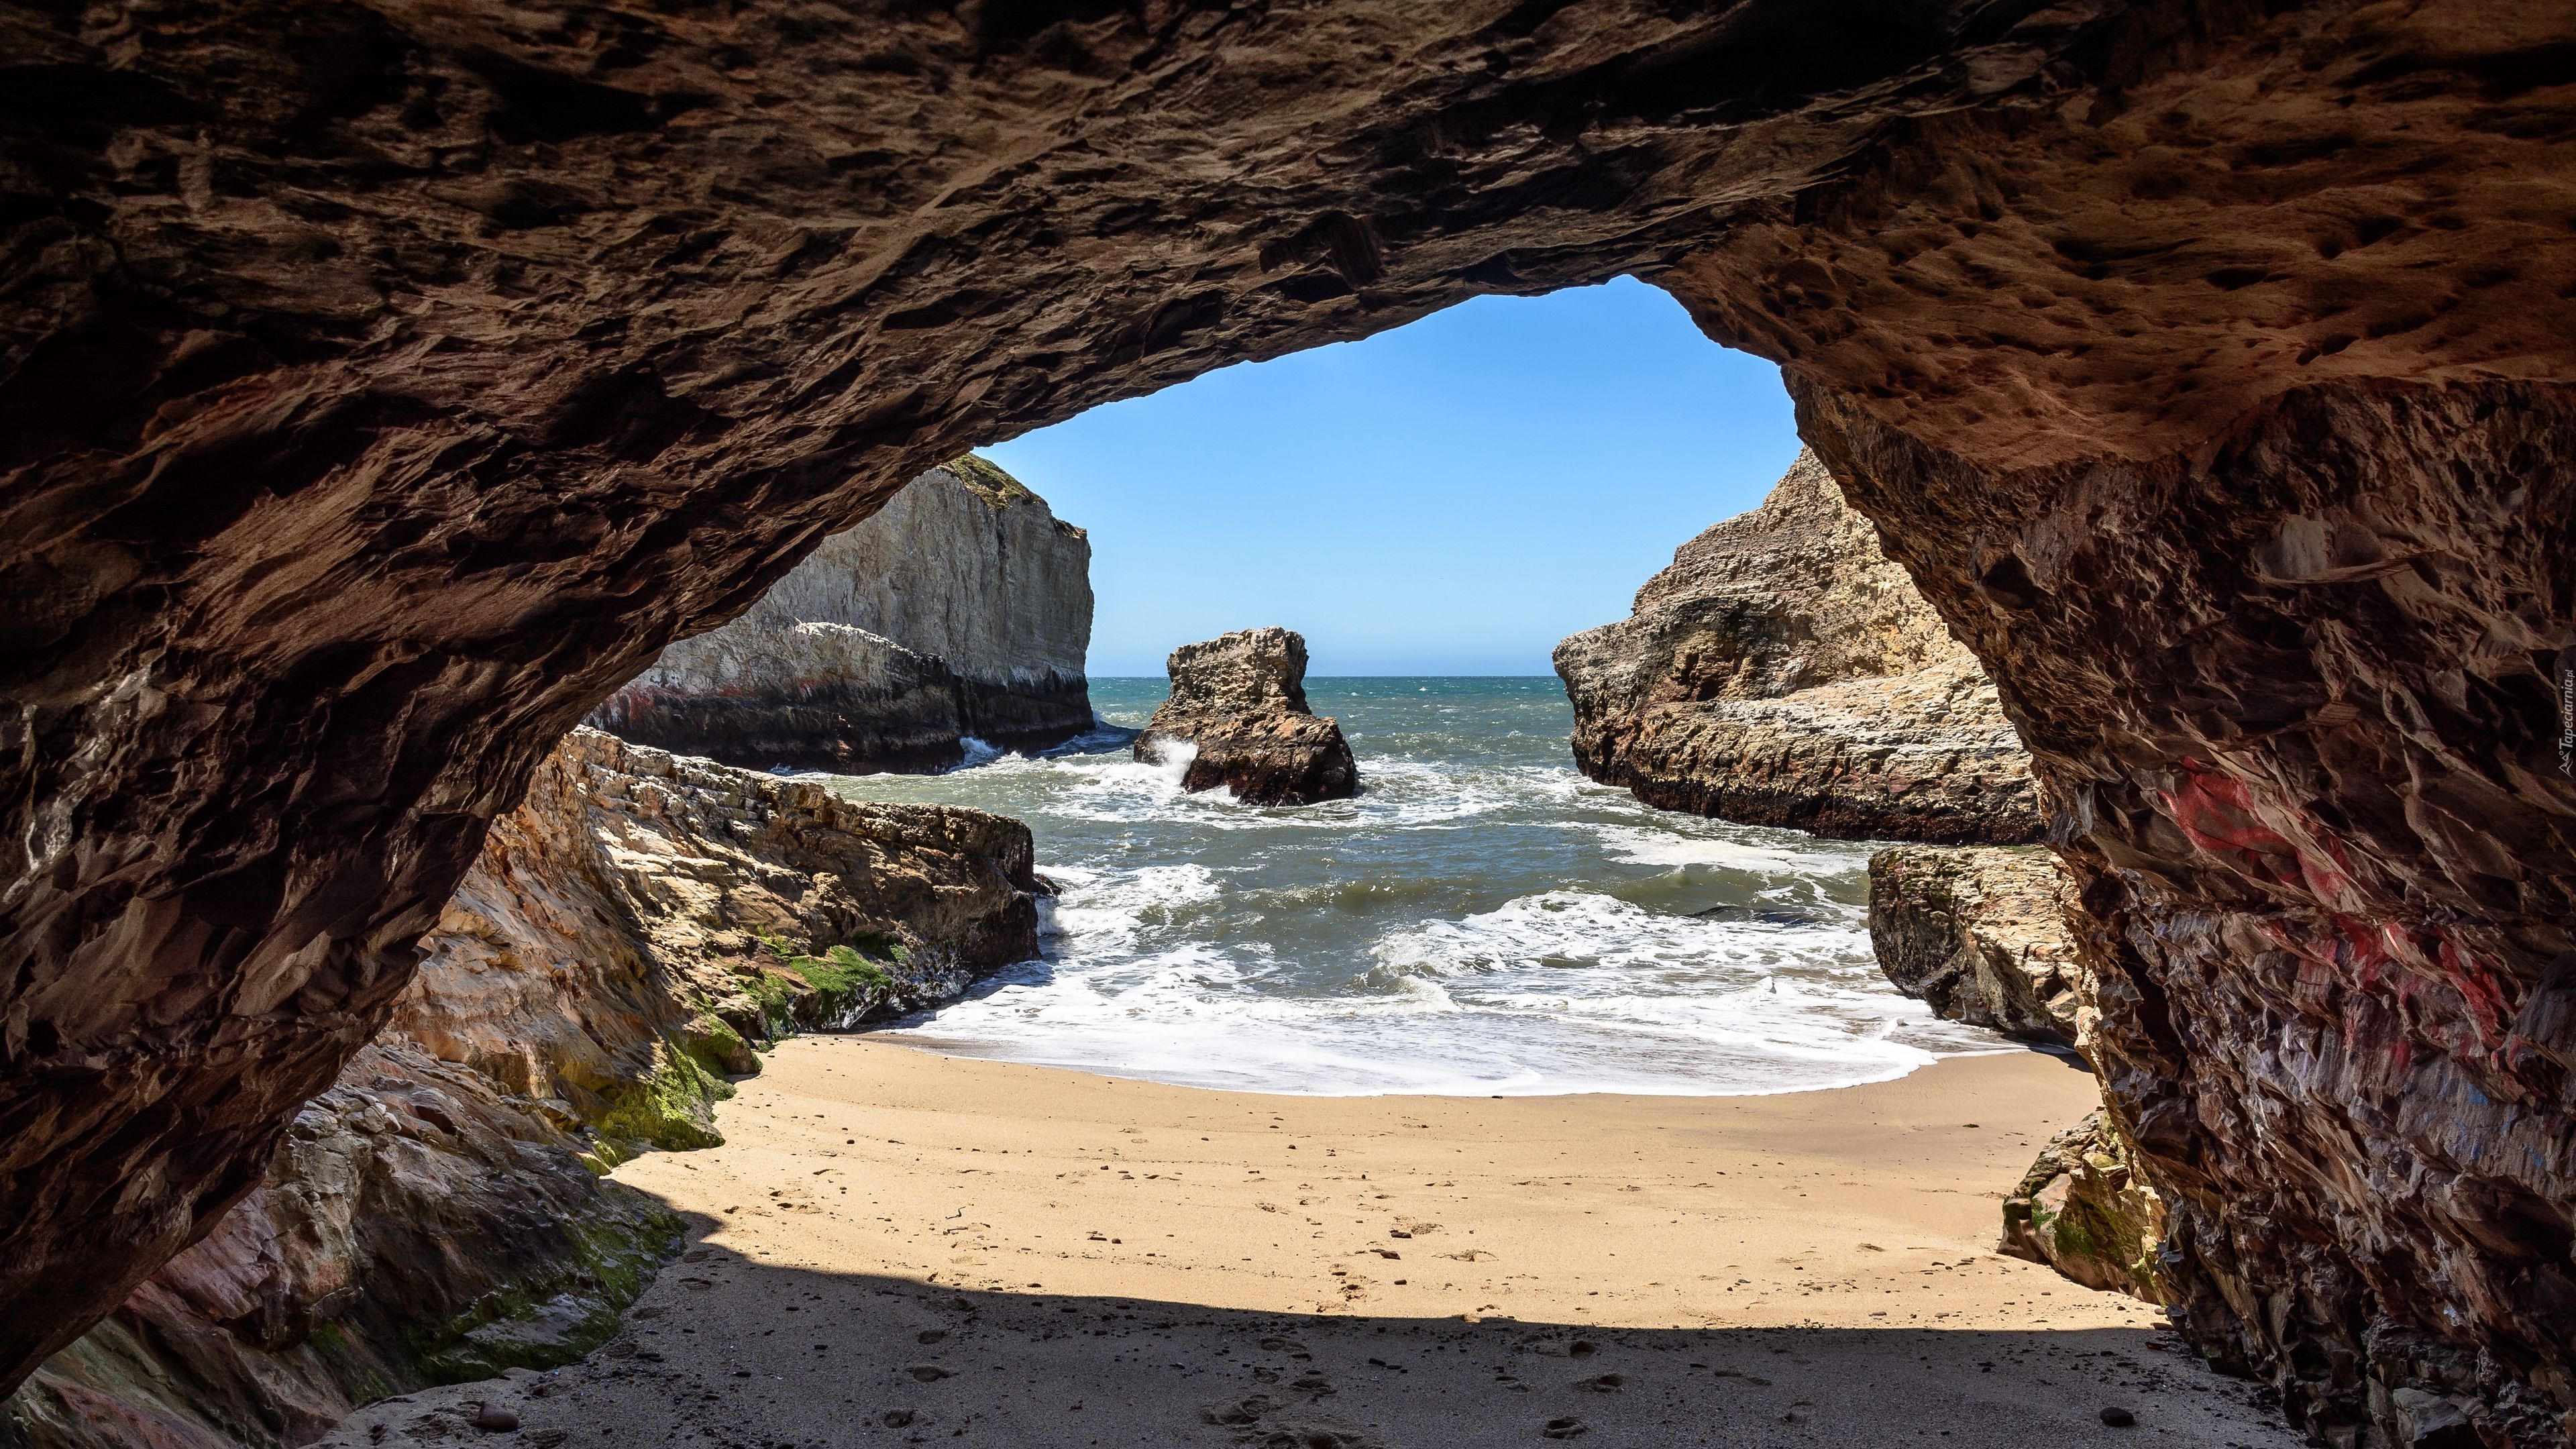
[626, 936]
[963, 608]
[383, 386]
[1783, 672]
[1237, 720]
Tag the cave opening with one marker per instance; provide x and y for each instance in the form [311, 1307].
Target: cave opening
[385, 386]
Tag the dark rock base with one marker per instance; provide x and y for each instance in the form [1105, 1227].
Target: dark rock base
[1273, 760]
[918, 731]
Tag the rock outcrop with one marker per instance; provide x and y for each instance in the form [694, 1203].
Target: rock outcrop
[383, 386]
[626, 936]
[962, 609]
[1237, 720]
[2321, 887]
[1979, 935]
[2083, 1210]
[1982, 936]
[1783, 672]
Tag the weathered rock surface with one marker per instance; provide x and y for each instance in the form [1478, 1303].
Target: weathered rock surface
[1783, 672]
[2083, 1210]
[1979, 935]
[963, 608]
[625, 935]
[382, 387]
[1237, 714]
[2322, 884]
[1982, 936]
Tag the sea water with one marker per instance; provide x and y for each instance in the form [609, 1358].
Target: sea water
[1481, 920]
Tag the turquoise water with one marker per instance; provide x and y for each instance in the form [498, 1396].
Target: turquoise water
[1481, 920]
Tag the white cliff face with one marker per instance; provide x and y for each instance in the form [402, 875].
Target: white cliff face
[964, 564]
[962, 608]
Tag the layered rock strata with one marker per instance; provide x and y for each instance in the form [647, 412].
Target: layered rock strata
[961, 610]
[1783, 672]
[2322, 884]
[1237, 720]
[1979, 935]
[382, 387]
[625, 938]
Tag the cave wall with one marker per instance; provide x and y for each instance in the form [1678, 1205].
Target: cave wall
[2296, 698]
[380, 385]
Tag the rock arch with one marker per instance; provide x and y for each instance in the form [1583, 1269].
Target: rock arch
[381, 384]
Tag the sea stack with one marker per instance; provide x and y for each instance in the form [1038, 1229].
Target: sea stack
[1238, 712]
[1784, 672]
[962, 609]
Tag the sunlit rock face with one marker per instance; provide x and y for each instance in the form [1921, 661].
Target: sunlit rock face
[381, 388]
[1784, 672]
[1237, 720]
[1979, 935]
[961, 610]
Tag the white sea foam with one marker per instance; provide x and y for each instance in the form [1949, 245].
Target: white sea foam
[1480, 920]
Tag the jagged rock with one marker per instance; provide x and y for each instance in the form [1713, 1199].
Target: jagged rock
[1783, 672]
[418, 1226]
[381, 387]
[625, 934]
[1237, 715]
[646, 916]
[1979, 935]
[2083, 1210]
[962, 609]
[2321, 879]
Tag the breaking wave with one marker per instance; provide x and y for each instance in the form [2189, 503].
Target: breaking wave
[1481, 920]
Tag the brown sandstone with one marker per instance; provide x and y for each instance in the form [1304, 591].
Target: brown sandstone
[961, 610]
[626, 936]
[1237, 720]
[1980, 936]
[381, 387]
[1783, 672]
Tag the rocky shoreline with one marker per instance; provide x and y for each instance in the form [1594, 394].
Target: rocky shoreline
[628, 939]
[1783, 672]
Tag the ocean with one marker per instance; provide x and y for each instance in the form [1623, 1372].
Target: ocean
[1482, 920]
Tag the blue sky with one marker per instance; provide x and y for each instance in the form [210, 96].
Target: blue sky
[1451, 497]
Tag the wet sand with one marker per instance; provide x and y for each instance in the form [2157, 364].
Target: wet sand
[894, 1247]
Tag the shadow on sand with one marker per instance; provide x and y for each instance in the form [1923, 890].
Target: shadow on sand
[732, 1353]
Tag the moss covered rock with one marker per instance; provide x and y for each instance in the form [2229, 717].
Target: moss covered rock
[2083, 1210]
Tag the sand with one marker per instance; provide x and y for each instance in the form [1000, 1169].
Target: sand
[896, 1247]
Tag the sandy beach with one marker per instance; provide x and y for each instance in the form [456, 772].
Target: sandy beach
[895, 1247]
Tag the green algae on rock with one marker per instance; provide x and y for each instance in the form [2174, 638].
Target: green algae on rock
[441, 1212]
[2083, 1210]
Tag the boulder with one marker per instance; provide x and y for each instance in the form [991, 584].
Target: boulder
[1237, 720]
[1784, 672]
[2084, 1210]
[1979, 934]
